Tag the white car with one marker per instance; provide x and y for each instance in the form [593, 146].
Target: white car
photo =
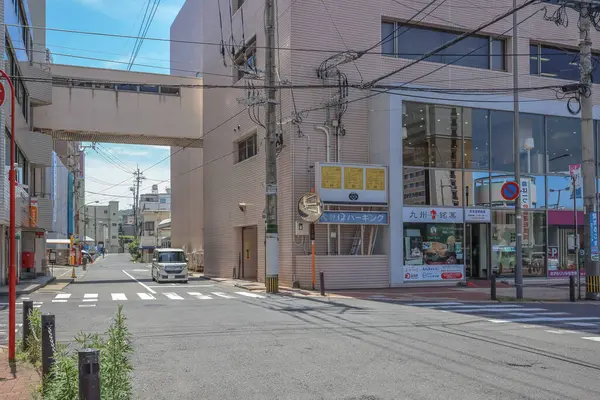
[169, 265]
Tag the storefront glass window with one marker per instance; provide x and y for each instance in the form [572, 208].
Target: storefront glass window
[477, 190]
[476, 131]
[561, 244]
[563, 138]
[432, 136]
[433, 251]
[533, 244]
[532, 144]
[433, 187]
[560, 193]
[502, 141]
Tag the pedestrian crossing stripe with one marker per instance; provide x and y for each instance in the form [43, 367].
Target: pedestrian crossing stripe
[95, 297]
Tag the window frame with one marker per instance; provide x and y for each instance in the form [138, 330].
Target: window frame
[538, 61]
[241, 58]
[490, 48]
[242, 144]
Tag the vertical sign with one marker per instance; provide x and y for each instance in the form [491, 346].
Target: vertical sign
[33, 211]
[594, 236]
[525, 205]
[575, 173]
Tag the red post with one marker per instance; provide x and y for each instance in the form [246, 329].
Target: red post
[12, 271]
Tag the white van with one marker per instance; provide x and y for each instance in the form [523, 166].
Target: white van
[169, 265]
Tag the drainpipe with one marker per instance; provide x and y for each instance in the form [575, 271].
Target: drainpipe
[325, 130]
[338, 158]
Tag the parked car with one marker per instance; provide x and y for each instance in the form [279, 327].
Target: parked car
[169, 265]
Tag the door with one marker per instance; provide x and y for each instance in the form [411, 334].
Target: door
[477, 251]
[249, 253]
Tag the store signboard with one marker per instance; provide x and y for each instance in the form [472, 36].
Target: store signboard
[433, 214]
[352, 184]
[448, 272]
[594, 236]
[354, 217]
[477, 215]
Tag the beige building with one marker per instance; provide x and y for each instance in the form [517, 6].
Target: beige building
[372, 130]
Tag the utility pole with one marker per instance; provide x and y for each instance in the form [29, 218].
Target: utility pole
[137, 179]
[516, 155]
[271, 229]
[588, 164]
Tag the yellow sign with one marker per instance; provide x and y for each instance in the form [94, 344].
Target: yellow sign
[353, 178]
[375, 179]
[331, 177]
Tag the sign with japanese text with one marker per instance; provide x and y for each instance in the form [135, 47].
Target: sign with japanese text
[33, 211]
[477, 215]
[594, 236]
[433, 214]
[355, 217]
[351, 184]
[575, 173]
[449, 272]
[525, 199]
[2, 94]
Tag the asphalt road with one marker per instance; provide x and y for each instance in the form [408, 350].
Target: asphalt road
[210, 340]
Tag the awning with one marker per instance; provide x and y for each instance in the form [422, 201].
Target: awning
[32, 229]
[58, 241]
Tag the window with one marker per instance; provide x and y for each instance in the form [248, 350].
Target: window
[502, 141]
[564, 143]
[236, 4]
[169, 90]
[412, 42]
[105, 211]
[245, 60]
[247, 147]
[114, 224]
[171, 256]
[558, 63]
[114, 237]
[476, 131]
[149, 226]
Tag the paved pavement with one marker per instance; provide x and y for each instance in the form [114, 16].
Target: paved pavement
[206, 339]
[17, 381]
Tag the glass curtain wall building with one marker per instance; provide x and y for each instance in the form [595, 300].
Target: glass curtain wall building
[455, 162]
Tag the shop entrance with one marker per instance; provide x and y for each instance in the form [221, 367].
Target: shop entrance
[477, 251]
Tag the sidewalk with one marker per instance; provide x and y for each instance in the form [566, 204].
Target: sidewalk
[17, 381]
[474, 291]
[61, 278]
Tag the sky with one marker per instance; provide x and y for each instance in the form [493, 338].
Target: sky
[110, 164]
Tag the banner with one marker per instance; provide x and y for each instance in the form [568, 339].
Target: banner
[575, 173]
[594, 236]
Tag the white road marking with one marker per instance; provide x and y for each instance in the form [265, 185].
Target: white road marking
[63, 296]
[87, 305]
[59, 301]
[90, 300]
[200, 296]
[547, 319]
[594, 338]
[179, 285]
[141, 283]
[90, 296]
[224, 295]
[513, 306]
[528, 314]
[559, 331]
[552, 313]
[25, 298]
[118, 296]
[433, 304]
[582, 324]
[146, 296]
[173, 296]
[140, 270]
[493, 310]
[250, 294]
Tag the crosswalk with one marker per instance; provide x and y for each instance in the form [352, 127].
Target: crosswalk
[91, 298]
[561, 322]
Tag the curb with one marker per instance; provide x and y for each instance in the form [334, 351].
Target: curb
[37, 287]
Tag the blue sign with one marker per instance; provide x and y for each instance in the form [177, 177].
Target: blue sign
[594, 236]
[510, 191]
[355, 217]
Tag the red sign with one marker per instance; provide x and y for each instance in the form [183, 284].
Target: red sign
[510, 191]
[2, 94]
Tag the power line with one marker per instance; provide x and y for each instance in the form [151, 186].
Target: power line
[139, 33]
[141, 40]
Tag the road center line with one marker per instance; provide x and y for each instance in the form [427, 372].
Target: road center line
[141, 283]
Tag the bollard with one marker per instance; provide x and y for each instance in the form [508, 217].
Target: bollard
[27, 308]
[89, 374]
[322, 282]
[493, 288]
[572, 288]
[48, 342]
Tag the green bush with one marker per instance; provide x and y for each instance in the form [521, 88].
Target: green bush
[134, 250]
[62, 382]
[33, 353]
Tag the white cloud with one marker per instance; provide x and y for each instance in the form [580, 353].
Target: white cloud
[128, 151]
